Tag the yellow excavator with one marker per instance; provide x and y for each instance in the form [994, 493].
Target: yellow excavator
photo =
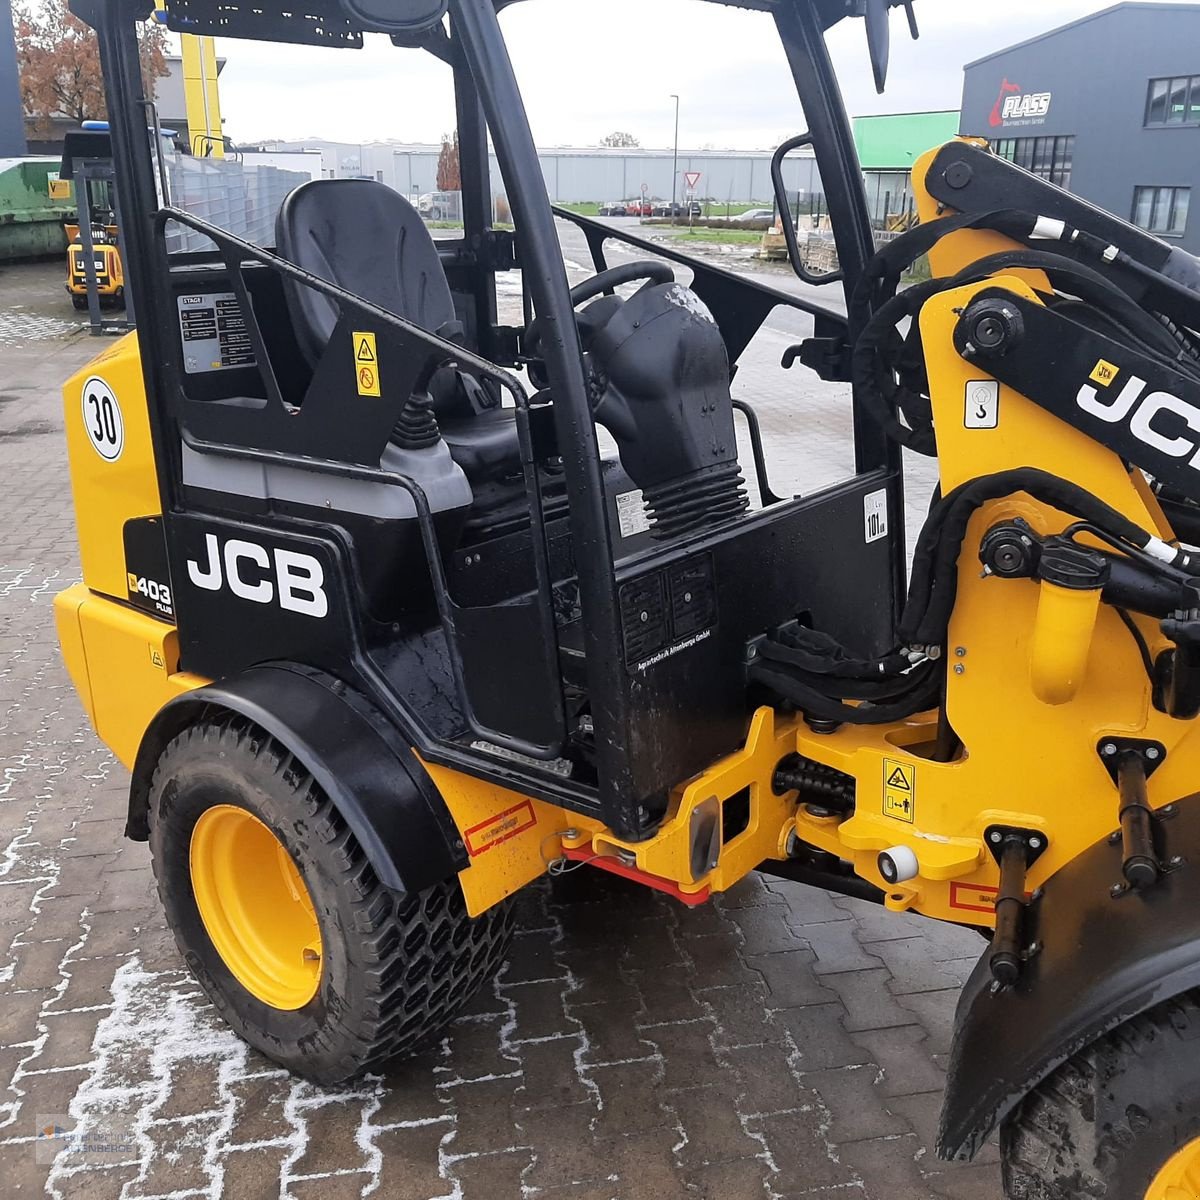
[384, 633]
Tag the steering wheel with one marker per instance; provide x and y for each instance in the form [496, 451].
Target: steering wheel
[652, 270]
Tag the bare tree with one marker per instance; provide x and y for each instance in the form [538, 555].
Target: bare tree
[58, 62]
[449, 177]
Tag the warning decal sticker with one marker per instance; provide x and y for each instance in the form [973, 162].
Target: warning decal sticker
[366, 364]
[975, 897]
[507, 824]
[899, 790]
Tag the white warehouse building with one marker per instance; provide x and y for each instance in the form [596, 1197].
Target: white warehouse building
[581, 173]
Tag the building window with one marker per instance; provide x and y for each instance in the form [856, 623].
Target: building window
[1174, 101]
[1049, 157]
[1161, 209]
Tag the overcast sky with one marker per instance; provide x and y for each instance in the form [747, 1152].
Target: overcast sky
[588, 67]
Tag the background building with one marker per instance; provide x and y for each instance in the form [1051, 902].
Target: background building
[1109, 107]
[888, 145]
[577, 173]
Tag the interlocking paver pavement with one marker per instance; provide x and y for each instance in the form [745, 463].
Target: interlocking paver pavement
[779, 1043]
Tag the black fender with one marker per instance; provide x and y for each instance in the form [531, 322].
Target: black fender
[360, 760]
[1101, 958]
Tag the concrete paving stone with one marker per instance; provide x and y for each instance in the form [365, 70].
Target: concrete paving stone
[177, 1159]
[646, 1163]
[331, 1142]
[837, 949]
[126, 890]
[790, 978]
[602, 1189]
[689, 1059]
[90, 982]
[349, 1187]
[195, 1088]
[818, 1032]
[258, 1110]
[878, 924]
[713, 1127]
[765, 930]
[655, 941]
[965, 1181]
[83, 883]
[889, 1167]
[68, 1041]
[716, 961]
[253, 1175]
[610, 1032]
[481, 1116]
[630, 1097]
[473, 1050]
[798, 1148]
[806, 905]
[743, 1015]
[532, 956]
[101, 1183]
[912, 965]
[19, 1015]
[700, 919]
[741, 1179]
[669, 993]
[49, 1092]
[902, 1054]
[566, 1150]
[935, 1012]
[58, 917]
[600, 978]
[869, 1004]
[38, 964]
[550, 1074]
[539, 1011]
[491, 1176]
[410, 1167]
[750, 892]
[765, 1079]
[856, 1105]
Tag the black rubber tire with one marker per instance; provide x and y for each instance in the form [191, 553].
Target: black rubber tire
[79, 303]
[396, 968]
[1105, 1123]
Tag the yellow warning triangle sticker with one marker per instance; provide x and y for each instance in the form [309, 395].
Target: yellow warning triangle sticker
[365, 352]
[897, 779]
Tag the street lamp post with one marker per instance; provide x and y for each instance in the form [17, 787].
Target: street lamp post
[675, 157]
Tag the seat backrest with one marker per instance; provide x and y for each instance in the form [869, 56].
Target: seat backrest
[368, 239]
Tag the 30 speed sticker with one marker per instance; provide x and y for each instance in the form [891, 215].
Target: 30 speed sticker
[102, 419]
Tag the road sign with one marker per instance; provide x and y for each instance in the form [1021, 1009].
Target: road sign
[693, 178]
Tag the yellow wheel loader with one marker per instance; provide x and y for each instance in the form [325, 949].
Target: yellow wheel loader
[383, 633]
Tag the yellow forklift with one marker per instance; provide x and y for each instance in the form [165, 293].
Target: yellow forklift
[94, 266]
[383, 635]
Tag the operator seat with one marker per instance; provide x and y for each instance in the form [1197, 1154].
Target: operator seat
[366, 238]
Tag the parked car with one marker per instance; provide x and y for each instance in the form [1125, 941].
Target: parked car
[756, 214]
[666, 209]
[614, 208]
[695, 209]
[639, 208]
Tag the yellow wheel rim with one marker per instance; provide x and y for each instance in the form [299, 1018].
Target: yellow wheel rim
[1180, 1178]
[255, 907]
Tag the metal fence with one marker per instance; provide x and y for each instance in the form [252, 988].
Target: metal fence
[235, 197]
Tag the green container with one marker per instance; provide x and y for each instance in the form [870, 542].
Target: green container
[30, 222]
